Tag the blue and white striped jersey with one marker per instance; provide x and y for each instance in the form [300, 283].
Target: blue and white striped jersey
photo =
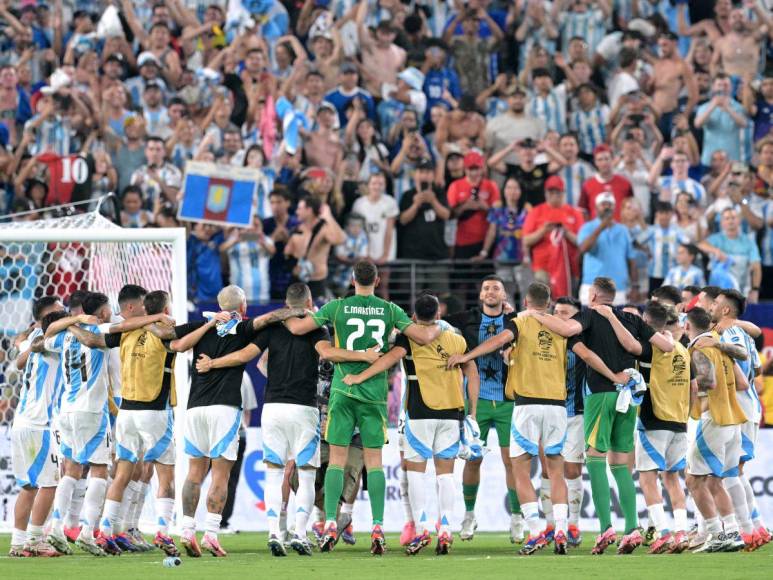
[681, 277]
[574, 176]
[676, 186]
[575, 384]
[41, 383]
[249, 263]
[748, 399]
[590, 25]
[550, 108]
[766, 248]
[662, 243]
[84, 372]
[590, 127]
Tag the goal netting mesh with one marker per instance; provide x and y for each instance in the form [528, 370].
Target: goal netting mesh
[31, 268]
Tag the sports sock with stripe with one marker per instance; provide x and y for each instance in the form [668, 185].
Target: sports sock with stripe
[470, 493]
[405, 499]
[545, 499]
[377, 494]
[334, 485]
[62, 499]
[164, 513]
[575, 492]
[737, 493]
[76, 504]
[599, 485]
[272, 495]
[416, 491]
[304, 499]
[512, 499]
[445, 485]
[92, 504]
[626, 492]
[754, 510]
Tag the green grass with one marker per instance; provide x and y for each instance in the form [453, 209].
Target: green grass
[487, 556]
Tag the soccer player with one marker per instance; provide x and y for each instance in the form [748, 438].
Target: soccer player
[360, 322]
[83, 420]
[537, 382]
[214, 409]
[727, 308]
[494, 409]
[614, 337]
[661, 436]
[34, 459]
[290, 418]
[145, 424]
[716, 452]
[434, 409]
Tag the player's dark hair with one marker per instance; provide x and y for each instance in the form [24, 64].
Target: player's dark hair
[657, 313]
[736, 300]
[569, 301]
[152, 138]
[313, 203]
[663, 207]
[94, 301]
[156, 301]
[694, 290]
[492, 278]
[538, 294]
[426, 307]
[297, 295]
[76, 299]
[365, 273]
[669, 294]
[131, 292]
[605, 286]
[50, 318]
[41, 304]
[699, 319]
[712, 291]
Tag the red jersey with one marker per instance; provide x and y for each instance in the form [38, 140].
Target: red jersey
[543, 254]
[69, 178]
[472, 225]
[618, 186]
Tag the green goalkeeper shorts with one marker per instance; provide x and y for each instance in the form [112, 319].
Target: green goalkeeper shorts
[345, 413]
[498, 414]
[605, 428]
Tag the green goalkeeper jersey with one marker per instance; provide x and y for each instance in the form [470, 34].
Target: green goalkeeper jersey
[360, 323]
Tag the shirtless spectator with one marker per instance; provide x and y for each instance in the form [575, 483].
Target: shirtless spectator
[737, 53]
[310, 243]
[713, 28]
[464, 124]
[322, 147]
[382, 59]
[671, 77]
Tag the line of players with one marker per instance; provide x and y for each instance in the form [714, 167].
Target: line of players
[356, 414]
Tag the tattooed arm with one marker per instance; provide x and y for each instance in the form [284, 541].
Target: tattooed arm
[705, 373]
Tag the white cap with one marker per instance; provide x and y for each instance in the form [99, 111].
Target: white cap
[147, 57]
[605, 197]
[413, 77]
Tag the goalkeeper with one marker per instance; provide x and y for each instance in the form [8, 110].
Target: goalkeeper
[434, 409]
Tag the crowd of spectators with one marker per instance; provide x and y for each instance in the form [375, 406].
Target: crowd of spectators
[558, 140]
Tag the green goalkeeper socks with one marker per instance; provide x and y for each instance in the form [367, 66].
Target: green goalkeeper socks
[626, 491]
[334, 486]
[377, 494]
[599, 485]
[470, 493]
[515, 505]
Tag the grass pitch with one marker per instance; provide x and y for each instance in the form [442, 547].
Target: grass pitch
[487, 556]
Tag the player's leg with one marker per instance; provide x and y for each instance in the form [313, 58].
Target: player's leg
[676, 454]
[289, 474]
[37, 544]
[552, 425]
[277, 433]
[164, 505]
[524, 444]
[597, 424]
[471, 474]
[650, 460]
[574, 457]
[26, 445]
[355, 467]
[503, 418]
[216, 496]
[306, 451]
[444, 470]
[545, 499]
[21, 516]
[198, 467]
[158, 442]
[372, 422]
[110, 523]
[621, 448]
[419, 438]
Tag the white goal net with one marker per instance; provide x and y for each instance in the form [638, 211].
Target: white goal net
[55, 257]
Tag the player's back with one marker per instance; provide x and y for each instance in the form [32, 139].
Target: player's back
[84, 372]
[748, 399]
[538, 362]
[40, 385]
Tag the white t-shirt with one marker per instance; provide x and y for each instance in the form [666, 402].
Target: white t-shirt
[376, 215]
[621, 84]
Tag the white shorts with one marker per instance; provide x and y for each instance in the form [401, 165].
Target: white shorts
[145, 435]
[428, 438]
[212, 431]
[716, 450]
[34, 457]
[660, 450]
[535, 425]
[621, 297]
[574, 447]
[749, 432]
[290, 432]
[85, 437]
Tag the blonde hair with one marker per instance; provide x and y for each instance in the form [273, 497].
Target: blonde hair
[231, 298]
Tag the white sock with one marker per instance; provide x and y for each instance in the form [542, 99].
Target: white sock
[445, 495]
[347, 508]
[751, 501]
[18, 537]
[318, 515]
[62, 499]
[127, 501]
[680, 519]
[273, 498]
[212, 524]
[34, 533]
[701, 521]
[531, 515]
[304, 499]
[92, 504]
[164, 513]
[657, 517]
[737, 493]
[76, 503]
[576, 492]
[547, 505]
[417, 495]
[139, 503]
[561, 513]
[110, 516]
[405, 496]
[188, 523]
[729, 523]
[713, 525]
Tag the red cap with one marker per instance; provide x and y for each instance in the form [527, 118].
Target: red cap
[691, 304]
[603, 148]
[555, 182]
[473, 159]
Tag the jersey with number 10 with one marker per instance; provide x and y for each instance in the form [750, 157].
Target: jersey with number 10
[360, 323]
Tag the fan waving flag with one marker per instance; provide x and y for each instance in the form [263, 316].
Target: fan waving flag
[218, 194]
